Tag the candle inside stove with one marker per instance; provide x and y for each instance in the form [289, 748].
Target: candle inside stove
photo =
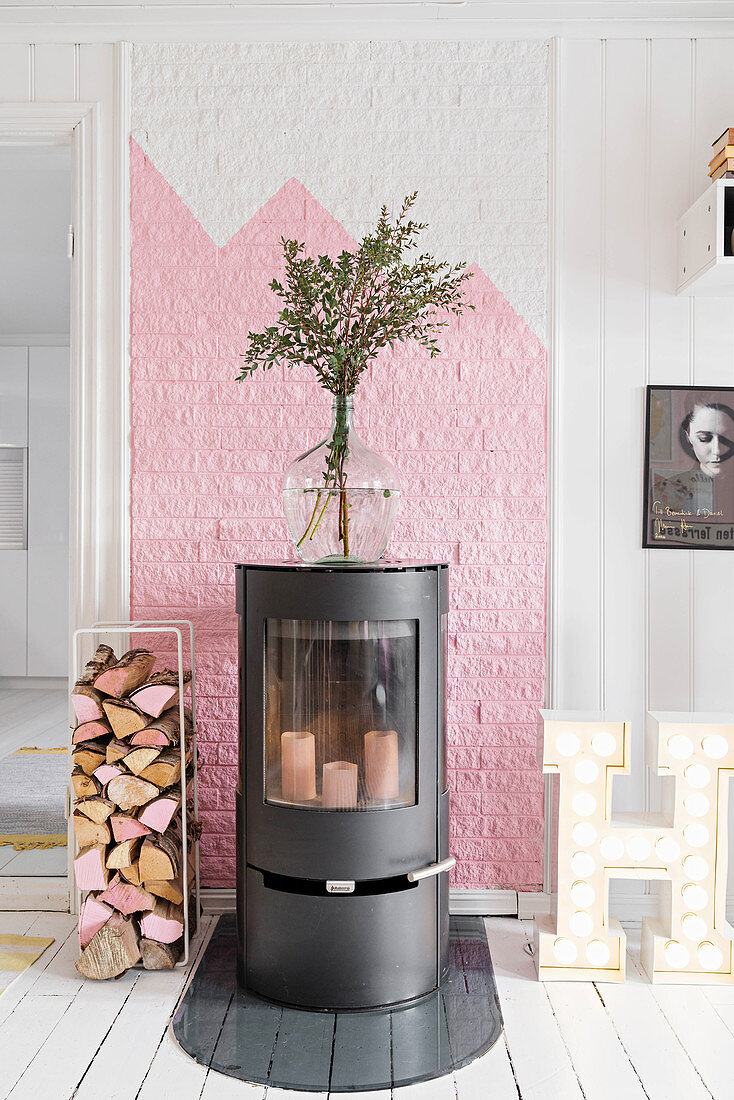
[339, 788]
[298, 766]
[382, 774]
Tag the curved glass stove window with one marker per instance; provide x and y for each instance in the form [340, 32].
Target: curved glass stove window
[341, 702]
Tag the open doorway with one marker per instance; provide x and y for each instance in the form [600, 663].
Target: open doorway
[35, 214]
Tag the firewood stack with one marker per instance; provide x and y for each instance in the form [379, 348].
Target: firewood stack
[126, 774]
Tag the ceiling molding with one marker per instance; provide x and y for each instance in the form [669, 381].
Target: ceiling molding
[304, 20]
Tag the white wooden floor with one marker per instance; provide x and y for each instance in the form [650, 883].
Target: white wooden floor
[33, 716]
[62, 1037]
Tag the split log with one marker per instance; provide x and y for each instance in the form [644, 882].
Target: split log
[87, 703]
[93, 914]
[130, 791]
[127, 898]
[158, 813]
[105, 772]
[116, 750]
[90, 870]
[132, 873]
[89, 756]
[172, 889]
[130, 672]
[124, 717]
[164, 923]
[163, 732]
[166, 770]
[160, 692]
[159, 859]
[85, 786]
[87, 700]
[89, 731]
[160, 956]
[98, 809]
[167, 889]
[112, 951]
[89, 833]
[125, 827]
[103, 659]
[125, 853]
[139, 759]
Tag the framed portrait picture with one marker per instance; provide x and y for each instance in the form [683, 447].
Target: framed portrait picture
[689, 468]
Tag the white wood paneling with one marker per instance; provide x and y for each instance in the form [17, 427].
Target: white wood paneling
[14, 397]
[13, 630]
[578, 513]
[15, 71]
[55, 71]
[634, 629]
[48, 512]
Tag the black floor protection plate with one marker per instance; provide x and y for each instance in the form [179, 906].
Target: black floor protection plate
[242, 1035]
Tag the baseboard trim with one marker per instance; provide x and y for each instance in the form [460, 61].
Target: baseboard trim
[25, 894]
[483, 903]
[533, 904]
[33, 683]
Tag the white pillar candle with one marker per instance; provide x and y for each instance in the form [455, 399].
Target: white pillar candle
[298, 766]
[339, 789]
[382, 776]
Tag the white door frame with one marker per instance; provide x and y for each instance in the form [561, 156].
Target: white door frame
[99, 504]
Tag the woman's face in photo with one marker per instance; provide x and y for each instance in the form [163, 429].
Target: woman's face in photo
[709, 433]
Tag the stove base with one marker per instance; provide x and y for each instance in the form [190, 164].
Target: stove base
[239, 1034]
[344, 951]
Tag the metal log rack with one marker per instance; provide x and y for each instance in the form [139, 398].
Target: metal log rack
[163, 626]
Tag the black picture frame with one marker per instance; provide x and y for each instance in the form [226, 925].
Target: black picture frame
[688, 488]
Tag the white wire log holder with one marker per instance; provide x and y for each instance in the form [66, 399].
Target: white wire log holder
[164, 626]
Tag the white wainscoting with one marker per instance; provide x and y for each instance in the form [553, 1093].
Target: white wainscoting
[631, 629]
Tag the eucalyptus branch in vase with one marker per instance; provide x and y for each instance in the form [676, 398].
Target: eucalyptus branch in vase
[338, 314]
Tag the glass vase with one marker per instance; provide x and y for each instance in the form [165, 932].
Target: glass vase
[341, 498]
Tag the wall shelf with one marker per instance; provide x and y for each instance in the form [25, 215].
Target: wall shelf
[705, 261]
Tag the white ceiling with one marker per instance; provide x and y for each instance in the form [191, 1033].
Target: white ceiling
[35, 203]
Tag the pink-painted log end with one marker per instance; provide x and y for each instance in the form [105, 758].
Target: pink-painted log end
[93, 915]
[153, 699]
[105, 772]
[155, 927]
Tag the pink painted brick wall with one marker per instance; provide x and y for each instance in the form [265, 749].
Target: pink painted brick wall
[466, 431]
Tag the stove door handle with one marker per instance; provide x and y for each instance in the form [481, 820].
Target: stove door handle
[432, 869]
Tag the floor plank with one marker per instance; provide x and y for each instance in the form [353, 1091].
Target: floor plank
[600, 1060]
[219, 1087]
[172, 1075]
[23, 1035]
[152, 999]
[139, 1029]
[59, 925]
[542, 1067]
[75, 1039]
[702, 1033]
[660, 1061]
[491, 1075]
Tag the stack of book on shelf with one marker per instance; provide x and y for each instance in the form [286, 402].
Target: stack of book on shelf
[722, 164]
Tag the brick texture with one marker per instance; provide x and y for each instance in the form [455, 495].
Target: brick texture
[466, 431]
[359, 124]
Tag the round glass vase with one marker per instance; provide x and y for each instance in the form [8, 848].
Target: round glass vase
[341, 498]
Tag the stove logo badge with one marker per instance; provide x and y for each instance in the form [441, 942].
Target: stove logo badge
[339, 886]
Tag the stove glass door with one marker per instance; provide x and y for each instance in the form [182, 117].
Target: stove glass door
[341, 704]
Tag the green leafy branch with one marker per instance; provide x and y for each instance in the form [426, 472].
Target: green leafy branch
[338, 314]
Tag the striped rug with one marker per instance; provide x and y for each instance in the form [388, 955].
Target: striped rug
[32, 789]
[17, 953]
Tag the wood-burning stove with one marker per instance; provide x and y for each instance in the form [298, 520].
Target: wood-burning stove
[342, 805]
